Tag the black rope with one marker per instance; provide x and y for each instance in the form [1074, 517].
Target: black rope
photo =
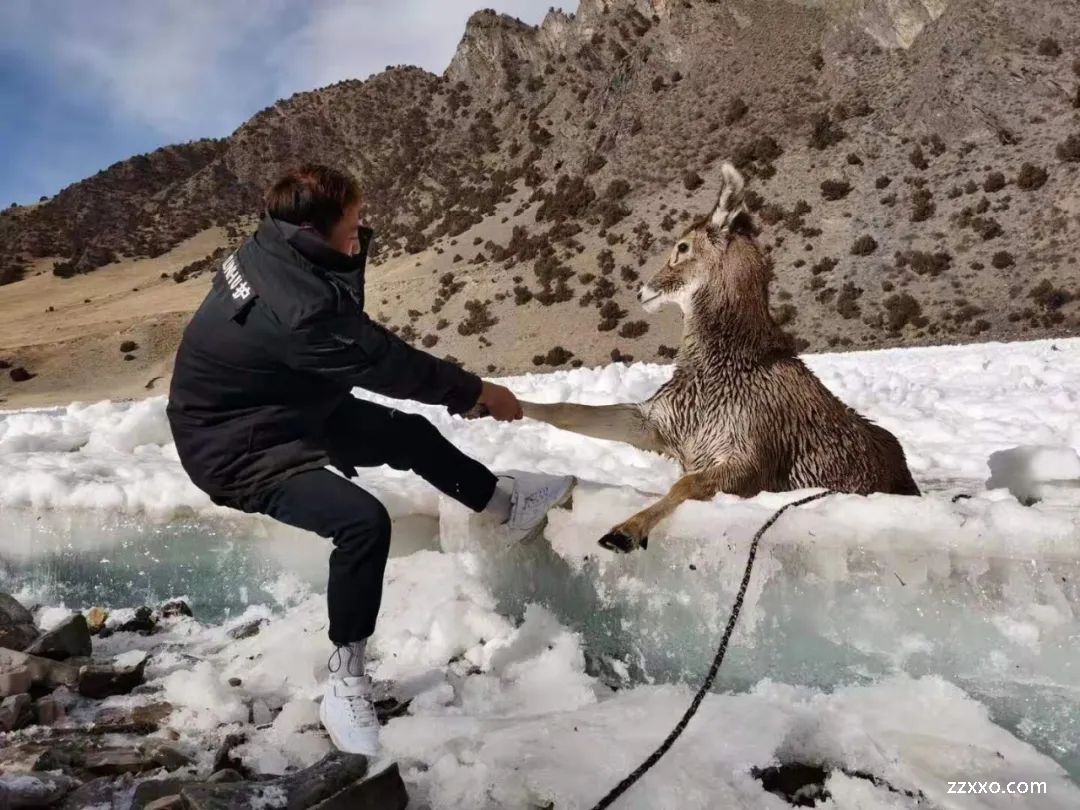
[718, 659]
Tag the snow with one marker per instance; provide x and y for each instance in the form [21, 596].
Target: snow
[921, 641]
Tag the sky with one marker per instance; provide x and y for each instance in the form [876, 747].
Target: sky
[86, 84]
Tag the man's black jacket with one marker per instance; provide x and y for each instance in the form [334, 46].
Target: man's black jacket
[276, 346]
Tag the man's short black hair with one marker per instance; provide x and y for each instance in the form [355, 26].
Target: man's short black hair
[312, 194]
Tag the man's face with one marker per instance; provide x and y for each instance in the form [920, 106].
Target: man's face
[343, 238]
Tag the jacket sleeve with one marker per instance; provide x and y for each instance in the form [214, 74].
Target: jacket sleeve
[355, 351]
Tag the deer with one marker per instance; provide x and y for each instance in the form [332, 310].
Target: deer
[742, 413]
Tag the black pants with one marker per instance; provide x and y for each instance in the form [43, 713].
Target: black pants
[363, 434]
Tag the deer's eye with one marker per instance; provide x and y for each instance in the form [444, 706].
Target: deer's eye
[683, 247]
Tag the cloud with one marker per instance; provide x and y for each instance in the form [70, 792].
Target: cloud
[192, 68]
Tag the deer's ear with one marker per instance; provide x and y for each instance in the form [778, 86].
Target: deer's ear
[730, 202]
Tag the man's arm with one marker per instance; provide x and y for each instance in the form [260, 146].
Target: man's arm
[356, 351]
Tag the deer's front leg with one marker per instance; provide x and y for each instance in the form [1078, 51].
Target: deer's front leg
[732, 477]
[619, 423]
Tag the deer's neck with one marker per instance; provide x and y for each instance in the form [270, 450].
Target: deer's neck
[721, 334]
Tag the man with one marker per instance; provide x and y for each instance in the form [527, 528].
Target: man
[260, 405]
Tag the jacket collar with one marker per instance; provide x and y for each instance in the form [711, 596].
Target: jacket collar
[293, 242]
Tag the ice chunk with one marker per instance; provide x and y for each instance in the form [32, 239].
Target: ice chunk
[1030, 473]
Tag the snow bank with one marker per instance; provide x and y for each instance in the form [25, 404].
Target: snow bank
[984, 592]
[950, 406]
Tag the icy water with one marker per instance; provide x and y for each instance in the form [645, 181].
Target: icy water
[79, 559]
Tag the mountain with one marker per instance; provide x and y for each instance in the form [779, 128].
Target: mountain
[913, 164]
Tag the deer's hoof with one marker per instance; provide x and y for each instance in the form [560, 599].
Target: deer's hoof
[622, 543]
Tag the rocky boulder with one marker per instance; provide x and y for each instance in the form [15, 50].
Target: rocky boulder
[17, 628]
[34, 789]
[69, 638]
[100, 680]
[335, 782]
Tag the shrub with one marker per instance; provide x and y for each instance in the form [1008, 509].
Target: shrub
[918, 159]
[995, 181]
[429, 340]
[922, 205]
[692, 180]
[785, 314]
[882, 182]
[478, 321]
[618, 357]
[555, 356]
[1069, 149]
[633, 329]
[835, 189]
[667, 352]
[736, 109]
[987, 227]
[1031, 177]
[900, 310]
[1002, 259]
[128, 346]
[1048, 296]
[1048, 46]
[864, 245]
[925, 264]
[854, 160]
[824, 266]
[824, 132]
[847, 301]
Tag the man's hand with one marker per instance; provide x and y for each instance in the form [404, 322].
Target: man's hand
[499, 402]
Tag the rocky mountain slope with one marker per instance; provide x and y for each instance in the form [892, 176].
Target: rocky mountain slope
[914, 168]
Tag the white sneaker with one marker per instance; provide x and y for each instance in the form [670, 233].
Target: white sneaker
[348, 714]
[534, 495]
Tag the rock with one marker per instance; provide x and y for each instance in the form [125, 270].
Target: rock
[152, 790]
[114, 761]
[246, 630]
[35, 789]
[99, 680]
[95, 619]
[235, 681]
[43, 671]
[223, 758]
[167, 756]
[15, 712]
[335, 782]
[177, 607]
[143, 622]
[144, 719]
[69, 638]
[174, 802]
[20, 374]
[14, 680]
[100, 792]
[17, 628]
[13, 612]
[383, 791]
[225, 775]
[48, 710]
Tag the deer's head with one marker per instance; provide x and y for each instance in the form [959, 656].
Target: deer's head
[706, 255]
